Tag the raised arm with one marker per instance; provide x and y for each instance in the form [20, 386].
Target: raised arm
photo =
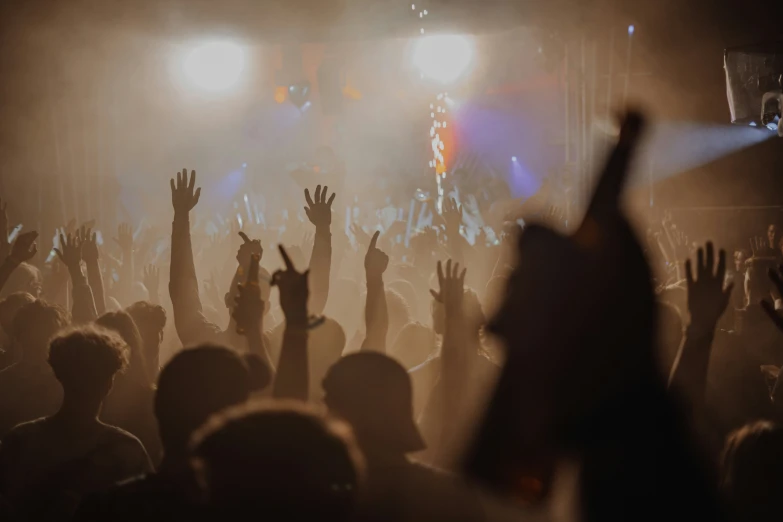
[248, 313]
[293, 376]
[24, 249]
[90, 257]
[319, 212]
[189, 320]
[70, 253]
[454, 353]
[376, 316]
[452, 216]
[707, 300]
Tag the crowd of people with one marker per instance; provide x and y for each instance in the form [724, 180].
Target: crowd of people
[567, 372]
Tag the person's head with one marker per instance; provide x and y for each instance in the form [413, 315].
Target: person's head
[772, 232]
[493, 294]
[33, 327]
[414, 345]
[752, 471]
[85, 360]
[26, 278]
[8, 308]
[325, 344]
[195, 384]
[373, 393]
[757, 284]
[150, 319]
[122, 324]
[740, 257]
[279, 460]
[408, 292]
[399, 314]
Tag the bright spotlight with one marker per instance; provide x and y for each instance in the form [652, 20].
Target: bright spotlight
[514, 159]
[215, 66]
[444, 58]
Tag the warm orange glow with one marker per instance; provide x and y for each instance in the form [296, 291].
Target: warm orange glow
[281, 94]
[351, 93]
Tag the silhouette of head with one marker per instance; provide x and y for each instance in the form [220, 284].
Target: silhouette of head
[282, 461]
[373, 393]
[325, 344]
[26, 278]
[752, 471]
[85, 361]
[414, 344]
[399, 314]
[471, 308]
[122, 323]
[195, 384]
[150, 319]
[408, 293]
[34, 325]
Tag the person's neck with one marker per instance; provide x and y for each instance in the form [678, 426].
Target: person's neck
[78, 412]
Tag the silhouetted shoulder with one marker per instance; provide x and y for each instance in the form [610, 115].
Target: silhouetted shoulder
[126, 448]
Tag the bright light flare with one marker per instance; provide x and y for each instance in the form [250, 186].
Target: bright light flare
[215, 66]
[443, 58]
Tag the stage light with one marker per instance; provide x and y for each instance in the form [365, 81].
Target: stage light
[631, 29]
[215, 65]
[514, 159]
[444, 58]
[299, 94]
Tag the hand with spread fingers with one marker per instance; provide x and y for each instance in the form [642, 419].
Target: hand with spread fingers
[375, 261]
[319, 210]
[24, 248]
[124, 237]
[452, 215]
[708, 297]
[70, 252]
[89, 241]
[151, 279]
[184, 195]
[294, 291]
[452, 287]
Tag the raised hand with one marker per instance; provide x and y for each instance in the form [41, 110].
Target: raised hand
[24, 248]
[89, 241]
[249, 308]
[452, 287]
[375, 261]
[70, 251]
[248, 249]
[452, 215]
[124, 237]
[5, 248]
[294, 291]
[184, 195]
[151, 279]
[707, 297]
[776, 276]
[319, 211]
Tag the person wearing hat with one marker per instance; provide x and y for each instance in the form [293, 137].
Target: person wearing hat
[373, 393]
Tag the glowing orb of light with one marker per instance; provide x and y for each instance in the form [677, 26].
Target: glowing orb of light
[215, 65]
[443, 58]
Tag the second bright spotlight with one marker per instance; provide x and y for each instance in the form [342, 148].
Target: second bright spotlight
[215, 65]
[443, 58]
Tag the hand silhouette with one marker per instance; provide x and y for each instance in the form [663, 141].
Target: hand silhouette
[452, 215]
[24, 248]
[124, 237]
[248, 249]
[151, 279]
[319, 212]
[70, 251]
[707, 297]
[183, 195]
[375, 261]
[294, 291]
[452, 288]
